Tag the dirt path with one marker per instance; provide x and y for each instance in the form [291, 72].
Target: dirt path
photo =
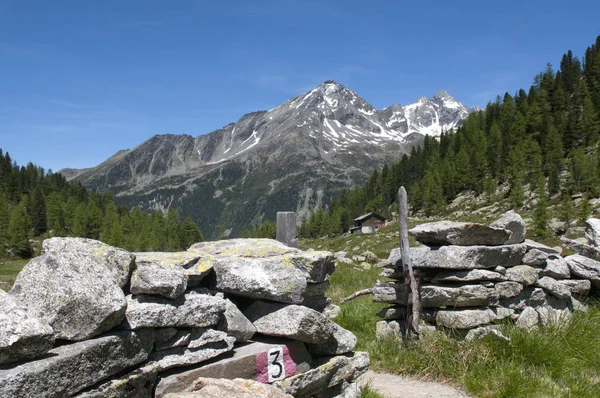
[394, 386]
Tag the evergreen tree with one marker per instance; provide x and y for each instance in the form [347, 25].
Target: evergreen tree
[585, 209]
[18, 232]
[191, 233]
[566, 210]
[38, 212]
[541, 215]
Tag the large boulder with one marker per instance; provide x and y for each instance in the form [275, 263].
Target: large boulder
[584, 268]
[191, 310]
[22, 335]
[460, 296]
[71, 368]
[512, 222]
[249, 361]
[204, 344]
[291, 321]
[471, 318]
[466, 257]
[592, 231]
[157, 280]
[119, 262]
[74, 292]
[341, 342]
[224, 388]
[236, 324]
[195, 265]
[459, 233]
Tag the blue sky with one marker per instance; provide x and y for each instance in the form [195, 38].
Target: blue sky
[80, 80]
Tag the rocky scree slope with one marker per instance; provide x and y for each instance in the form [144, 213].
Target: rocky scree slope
[293, 157]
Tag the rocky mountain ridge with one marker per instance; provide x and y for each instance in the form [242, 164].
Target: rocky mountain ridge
[296, 156]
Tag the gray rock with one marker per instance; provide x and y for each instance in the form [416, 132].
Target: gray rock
[460, 296]
[224, 388]
[459, 233]
[396, 273]
[181, 338]
[577, 287]
[193, 264]
[541, 247]
[241, 364]
[522, 274]
[468, 276]
[342, 342]
[550, 316]
[71, 368]
[119, 262]
[74, 292]
[22, 335]
[191, 310]
[500, 269]
[592, 231]
[370, 257]
[204, 344]
[162, 335]
[340, 254]
[467, 257]
[529, 297]
[157, 280]
[557, 268]
[508, 289]
[389, 292]
[528, 319]
[388, 330]
[583, 249]
[471, 318]
[236, 324]
[535, 258]
[334, 372]
[483, 331]
[576, 233]
[392, 313]
[137, 384]
[553, 287]
[331, 311]
[585, 268]
[291, 321]
[512, 222]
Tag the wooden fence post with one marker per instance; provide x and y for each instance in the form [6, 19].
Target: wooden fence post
[413, 299]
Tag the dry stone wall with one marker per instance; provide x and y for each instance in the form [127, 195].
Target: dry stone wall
[86, 319]
[473, 276]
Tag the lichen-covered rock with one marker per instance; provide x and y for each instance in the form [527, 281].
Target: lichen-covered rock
[592, 231]
[483, 331]
[531, 245]
[522, 274]
[528, 319]
[553, 287]
[578, 287]
[342, 342]
[191, 310]
[460, 296]
[243, 248]
[582, 249]
[530, 296]
[22, 335]
[334, 372]
[236, 324]
[136, 384]
[195, 265]
[584, 268]
[224, 388]
[535, 257]
[204, 344]
[474, 275]
[508, 289]
[467, 257]
[471, 318]
[388, 329]
[557, 268]
[459, 233]
[512, 222]
[74, 292]
[550, 315]
[119, 262]
[389, 292]
[157, 280]
[291, 321]
[71, 368]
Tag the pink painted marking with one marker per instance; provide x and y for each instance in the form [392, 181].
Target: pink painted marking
[262, 365]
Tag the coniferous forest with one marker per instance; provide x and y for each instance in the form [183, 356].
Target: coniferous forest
[36, 203]
[546, 137]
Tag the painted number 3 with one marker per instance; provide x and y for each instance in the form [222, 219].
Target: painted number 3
[276, 369]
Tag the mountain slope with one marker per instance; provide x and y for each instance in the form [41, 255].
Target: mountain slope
[296, 156]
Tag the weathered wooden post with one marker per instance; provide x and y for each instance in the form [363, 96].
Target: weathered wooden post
[413, 300]
[286, 228]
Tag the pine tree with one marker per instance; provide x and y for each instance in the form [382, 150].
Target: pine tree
[585, 209]
[18, 232]
[541, 215]
[566, 210]
[38, 212]
[191, 233]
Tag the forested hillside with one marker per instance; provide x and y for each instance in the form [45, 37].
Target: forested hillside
[546, 137]
[35, 203]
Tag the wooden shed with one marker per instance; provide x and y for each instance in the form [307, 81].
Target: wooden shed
[367, 223]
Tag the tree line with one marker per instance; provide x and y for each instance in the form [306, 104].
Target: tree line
[39, 203]
[546, 137]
